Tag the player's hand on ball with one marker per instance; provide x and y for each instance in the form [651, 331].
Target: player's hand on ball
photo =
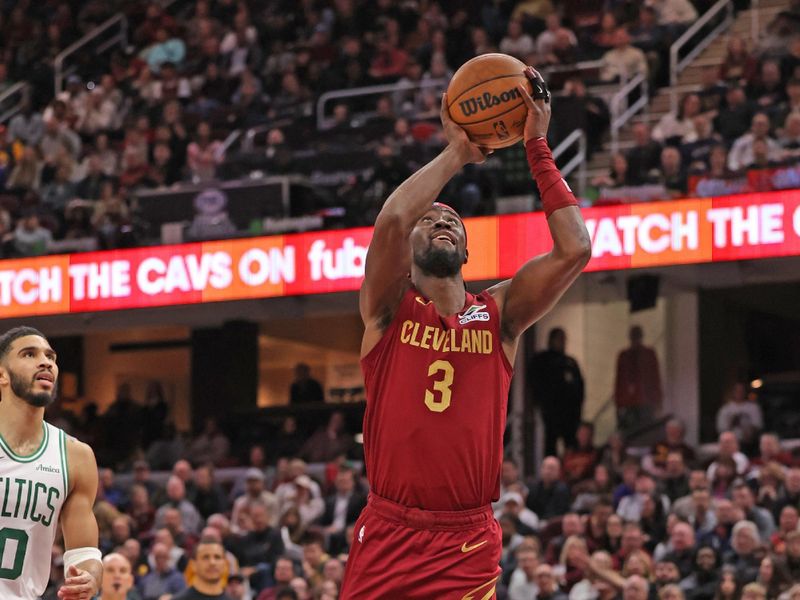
[457, 138]
[538, 119]
[78, 585]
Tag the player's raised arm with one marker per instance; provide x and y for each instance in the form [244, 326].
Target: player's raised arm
[541, 281]
[389, 255]
[83, 571]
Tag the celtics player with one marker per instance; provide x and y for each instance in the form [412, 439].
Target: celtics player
[44, 476]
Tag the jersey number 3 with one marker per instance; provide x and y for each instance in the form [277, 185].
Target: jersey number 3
[19, 536]
[441, 387]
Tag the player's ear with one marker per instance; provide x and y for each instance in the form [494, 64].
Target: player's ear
[466, 256]
[3, 375]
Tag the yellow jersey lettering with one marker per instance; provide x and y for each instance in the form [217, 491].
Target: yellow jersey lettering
[439, 335]
[477, 340]
[487, 341]
[405, 331]
[414, 341]
[454, 345]
[426, 337]
[466, 345]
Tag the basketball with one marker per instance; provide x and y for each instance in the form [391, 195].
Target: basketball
[483, 99]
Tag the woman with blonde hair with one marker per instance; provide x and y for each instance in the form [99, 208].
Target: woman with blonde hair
[638, 563]
[574, 548]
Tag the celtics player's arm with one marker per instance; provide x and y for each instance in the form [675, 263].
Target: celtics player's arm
[541, 281]
[83, 569]
[389, 254]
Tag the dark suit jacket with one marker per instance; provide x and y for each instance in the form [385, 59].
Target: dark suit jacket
[355, 505]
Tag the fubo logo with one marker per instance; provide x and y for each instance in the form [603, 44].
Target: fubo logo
[485, 101]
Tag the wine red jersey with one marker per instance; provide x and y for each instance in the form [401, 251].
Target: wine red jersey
[437, 390]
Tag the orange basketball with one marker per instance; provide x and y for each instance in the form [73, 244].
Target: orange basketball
[483, 99]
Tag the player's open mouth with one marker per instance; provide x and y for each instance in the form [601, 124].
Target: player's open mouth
[48, 377]
[445, 238]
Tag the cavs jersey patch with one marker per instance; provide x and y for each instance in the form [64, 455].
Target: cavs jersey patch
[473, 313]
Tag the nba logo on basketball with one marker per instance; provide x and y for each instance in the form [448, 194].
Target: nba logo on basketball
[500, 130]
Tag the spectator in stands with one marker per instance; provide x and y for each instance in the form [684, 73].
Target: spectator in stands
[27, 126]
[769, 448]
[533, 13]
[746, 553]
[203, 154]
[790, 493]
[740, 414]
[619, 174]
[176, 498]
[739, 66]
[522, 584]
[548, 584]
[558, 391]
[789, 136]
[655, 462]
[304, 388]
[638, 380]
[547, 39]
[207, 496]
[624, 61]
[769, 91]
[328, 442]
[211, 446]
[604, 39]
[648, 35]
[209, 563]
[117, 581]
[788, 567]
[164, 578]
[679, 128]
[27, 172]
[255, 493]
[744, 500]
[674, 483]
[516, 42]
[729, 449]
[674, 15]
[164, 49]
[262, 544]
[672, 174]
[645, 155]
[580, 458]
[630, 507]
[732, 120]
[696, 154]
[56, 194]
[343, 506]
[30, 238]
[549, 496]
[788, 522]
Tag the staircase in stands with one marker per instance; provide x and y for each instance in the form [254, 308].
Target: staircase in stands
[689, 80]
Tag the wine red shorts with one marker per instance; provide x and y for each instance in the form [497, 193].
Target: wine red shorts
[402, 553]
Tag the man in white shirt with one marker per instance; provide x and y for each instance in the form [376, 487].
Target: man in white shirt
[623, 61]
[729, 448]
[522, 585]
[741, 153]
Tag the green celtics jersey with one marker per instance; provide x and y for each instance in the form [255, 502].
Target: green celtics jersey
[32, 490]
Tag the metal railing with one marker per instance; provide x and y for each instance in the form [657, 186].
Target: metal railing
[676, 64]
[622, 112]
[576, 162]
[19, 91]
[119, 38]
[324, 122]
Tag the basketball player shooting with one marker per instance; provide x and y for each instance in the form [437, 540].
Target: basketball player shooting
[437, 363]
[44, 475]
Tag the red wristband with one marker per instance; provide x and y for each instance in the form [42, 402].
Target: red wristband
[553, 189]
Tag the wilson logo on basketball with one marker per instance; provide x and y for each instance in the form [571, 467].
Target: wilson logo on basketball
[485, 101]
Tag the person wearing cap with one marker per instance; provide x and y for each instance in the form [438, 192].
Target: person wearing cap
[255, 493]
[238, 587]
[512, 503]
[437, 363]
[307, 499]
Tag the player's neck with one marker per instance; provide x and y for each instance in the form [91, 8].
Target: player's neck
[114, 596]
[20, 422]
[207, 588]
[448, 293]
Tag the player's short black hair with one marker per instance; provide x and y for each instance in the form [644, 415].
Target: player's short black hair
[207, 541]
[10, 336]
